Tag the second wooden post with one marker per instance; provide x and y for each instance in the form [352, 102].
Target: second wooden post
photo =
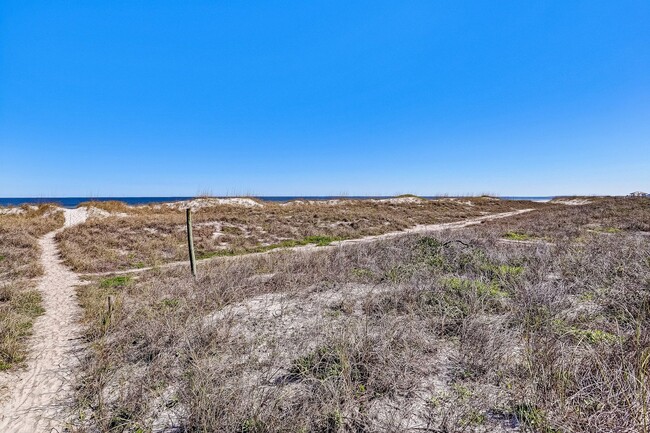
[190, 241]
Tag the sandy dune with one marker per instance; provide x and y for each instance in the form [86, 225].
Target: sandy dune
[416, 229]
[37, 398]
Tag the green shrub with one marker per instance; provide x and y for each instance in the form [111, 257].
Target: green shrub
[117, 281]
[515, 236]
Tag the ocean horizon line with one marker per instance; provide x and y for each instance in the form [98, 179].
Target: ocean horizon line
[71, 202]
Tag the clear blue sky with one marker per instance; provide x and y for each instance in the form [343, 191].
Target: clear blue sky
[324, 97]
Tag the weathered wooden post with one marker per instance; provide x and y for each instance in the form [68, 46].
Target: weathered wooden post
[190, 241]
[110, 308]
[109, 314]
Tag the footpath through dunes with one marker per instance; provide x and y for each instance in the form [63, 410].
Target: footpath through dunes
[423, 228]
[37, 398]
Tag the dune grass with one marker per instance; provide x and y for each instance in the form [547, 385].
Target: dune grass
[415, 333]
[153, 235]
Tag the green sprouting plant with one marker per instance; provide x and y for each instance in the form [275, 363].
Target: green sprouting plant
[516, 236]
[117, 281]
[322, 364]
[218, 253]
[587, 296]
[169, 303]
[508, 270]
[608, 229]
[428, 245]
[534, 417]
[474, 418]
[459, 284]
[502, 271]
[592, 336]
[463, 392]
[334, 420]
[320, 241]
[429, 252]
[252, 425]
[362, 273]
[399, 273]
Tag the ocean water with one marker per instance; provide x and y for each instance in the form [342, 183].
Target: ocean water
[71, 202]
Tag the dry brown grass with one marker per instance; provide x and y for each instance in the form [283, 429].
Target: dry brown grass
[153, 235]
[416, 333]
[603, 215]
[19, 265]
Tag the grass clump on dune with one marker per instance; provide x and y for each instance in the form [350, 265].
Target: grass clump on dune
[514, 236]
[18, 309]
[320, 241]
[117, 281]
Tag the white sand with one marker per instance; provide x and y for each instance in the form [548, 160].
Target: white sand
[571, 202]
[333, 202]
[11, 210]
[338, 201]
[16, 210]
[402, 200]
[455, 200]
[38, 398]
[199, 203]
[95, 212]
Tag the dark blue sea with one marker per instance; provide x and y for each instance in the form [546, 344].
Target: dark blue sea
[71, 202]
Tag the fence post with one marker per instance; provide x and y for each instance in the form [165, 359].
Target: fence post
[109, 314]
[190, 241]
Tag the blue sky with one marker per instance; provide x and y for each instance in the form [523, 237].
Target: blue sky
[324, 97]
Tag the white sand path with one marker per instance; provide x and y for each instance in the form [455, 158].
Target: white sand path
[37, 399]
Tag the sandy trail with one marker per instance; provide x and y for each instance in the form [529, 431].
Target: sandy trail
[424, 228]
[38, 398]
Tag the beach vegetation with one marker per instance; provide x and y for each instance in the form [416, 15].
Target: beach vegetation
[116, 281]
[514, 236]
[548, 337]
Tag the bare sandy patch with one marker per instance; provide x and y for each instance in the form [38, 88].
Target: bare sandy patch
[402, 200]
[210, 202]
[572, 202]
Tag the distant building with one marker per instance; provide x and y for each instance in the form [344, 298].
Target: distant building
[638, 194]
